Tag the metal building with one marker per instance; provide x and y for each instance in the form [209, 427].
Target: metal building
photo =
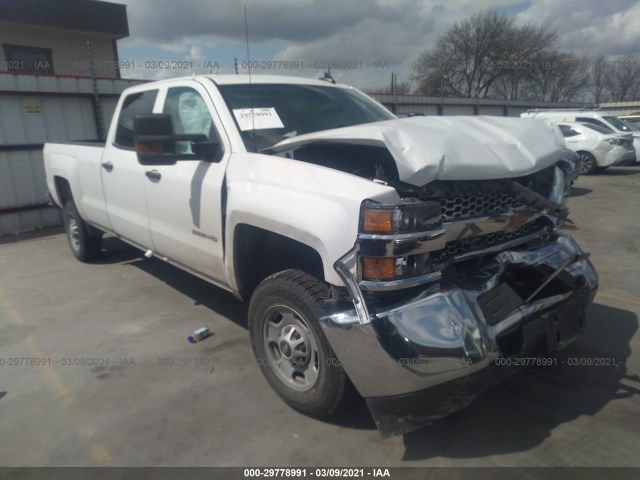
[59, 81]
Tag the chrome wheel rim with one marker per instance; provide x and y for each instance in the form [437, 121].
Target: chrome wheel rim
[291, 348]
[73, 232]
[586, 163]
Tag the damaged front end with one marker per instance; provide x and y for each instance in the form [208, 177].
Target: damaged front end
[445, 284]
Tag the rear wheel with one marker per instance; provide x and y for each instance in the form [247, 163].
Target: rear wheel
[290, 347]
[589, 163]
[84, 245]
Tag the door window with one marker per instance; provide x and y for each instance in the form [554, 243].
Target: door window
[140, 103]
[591, 121]
[567, 131]
[190, 115]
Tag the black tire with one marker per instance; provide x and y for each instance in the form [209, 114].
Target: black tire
[589, 163]
[291, 302]
[84, 246]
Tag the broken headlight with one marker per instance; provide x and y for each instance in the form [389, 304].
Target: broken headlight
[406, 217]
[390, 233]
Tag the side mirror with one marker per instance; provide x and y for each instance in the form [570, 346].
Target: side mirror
[156, 143]
[209, 149]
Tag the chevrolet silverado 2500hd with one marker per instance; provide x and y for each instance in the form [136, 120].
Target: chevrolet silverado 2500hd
[403, 257]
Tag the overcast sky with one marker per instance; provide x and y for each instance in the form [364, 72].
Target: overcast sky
[370, 38]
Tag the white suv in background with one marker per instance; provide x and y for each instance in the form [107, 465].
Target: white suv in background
[598, 146]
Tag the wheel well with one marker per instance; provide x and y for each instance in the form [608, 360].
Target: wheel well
[63, 189]
[259, 253]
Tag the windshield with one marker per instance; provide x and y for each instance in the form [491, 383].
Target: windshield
[283, 111]
[618, 124]
[632, 126]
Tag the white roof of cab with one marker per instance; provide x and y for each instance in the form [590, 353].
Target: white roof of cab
[256, 79]
[245, 79]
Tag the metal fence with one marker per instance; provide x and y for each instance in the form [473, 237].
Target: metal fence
[403, 104]
[35, 109]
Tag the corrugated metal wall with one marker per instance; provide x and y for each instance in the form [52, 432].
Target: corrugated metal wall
[21, 177]
[416, 108]
[29, 119]
[493, 110]
[462, 106]
[35, 109]
[458, 110]
[621, 108]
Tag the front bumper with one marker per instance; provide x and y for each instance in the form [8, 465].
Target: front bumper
[432, 355]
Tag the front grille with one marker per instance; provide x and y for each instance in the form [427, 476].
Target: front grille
[461, 199]
[475, 205]
[481, 242]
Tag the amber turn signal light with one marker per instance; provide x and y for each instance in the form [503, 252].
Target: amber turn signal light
[379, 221]
[149, 148]
[378, 268]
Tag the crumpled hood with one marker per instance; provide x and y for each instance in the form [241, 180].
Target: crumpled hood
[451, 148]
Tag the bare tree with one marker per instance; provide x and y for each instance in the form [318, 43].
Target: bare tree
[622, 77]
[525, 44]
[488, 55]
[557, 77]
[466, 59]
[598, 73]
[401, 88]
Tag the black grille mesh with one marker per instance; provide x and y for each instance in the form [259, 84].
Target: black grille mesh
[466, 198]
[480, 242]
[476, 205]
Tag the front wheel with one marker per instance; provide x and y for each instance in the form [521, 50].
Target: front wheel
[84, 246]
[291, 349]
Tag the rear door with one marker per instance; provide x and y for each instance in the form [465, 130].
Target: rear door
[186, 200]
[123, 178]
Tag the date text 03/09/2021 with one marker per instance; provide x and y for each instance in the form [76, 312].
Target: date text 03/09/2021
[316, 472]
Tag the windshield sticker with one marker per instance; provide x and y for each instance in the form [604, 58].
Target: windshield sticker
[262, 118]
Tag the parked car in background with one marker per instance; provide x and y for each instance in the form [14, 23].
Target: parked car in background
[597, 146]
[592, 117]
[632, 120]
[571, 165]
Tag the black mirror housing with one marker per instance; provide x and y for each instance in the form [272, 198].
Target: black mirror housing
[155, 141]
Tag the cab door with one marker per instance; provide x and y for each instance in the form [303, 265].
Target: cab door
[123, 178]
[185, 200]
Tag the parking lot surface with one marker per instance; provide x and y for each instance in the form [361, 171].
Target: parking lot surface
[119, 385]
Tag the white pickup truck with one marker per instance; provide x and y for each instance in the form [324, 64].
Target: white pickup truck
[409, 258]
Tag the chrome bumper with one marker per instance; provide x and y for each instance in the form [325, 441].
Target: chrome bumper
[443, 335]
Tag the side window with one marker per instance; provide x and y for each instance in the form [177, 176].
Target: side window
[21, 58]
[190, 115]
[599, 129]
[593, 121]
[567, 131]
[135, 104]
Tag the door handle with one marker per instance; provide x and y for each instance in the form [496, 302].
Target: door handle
[108, 166]
[153, 175]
